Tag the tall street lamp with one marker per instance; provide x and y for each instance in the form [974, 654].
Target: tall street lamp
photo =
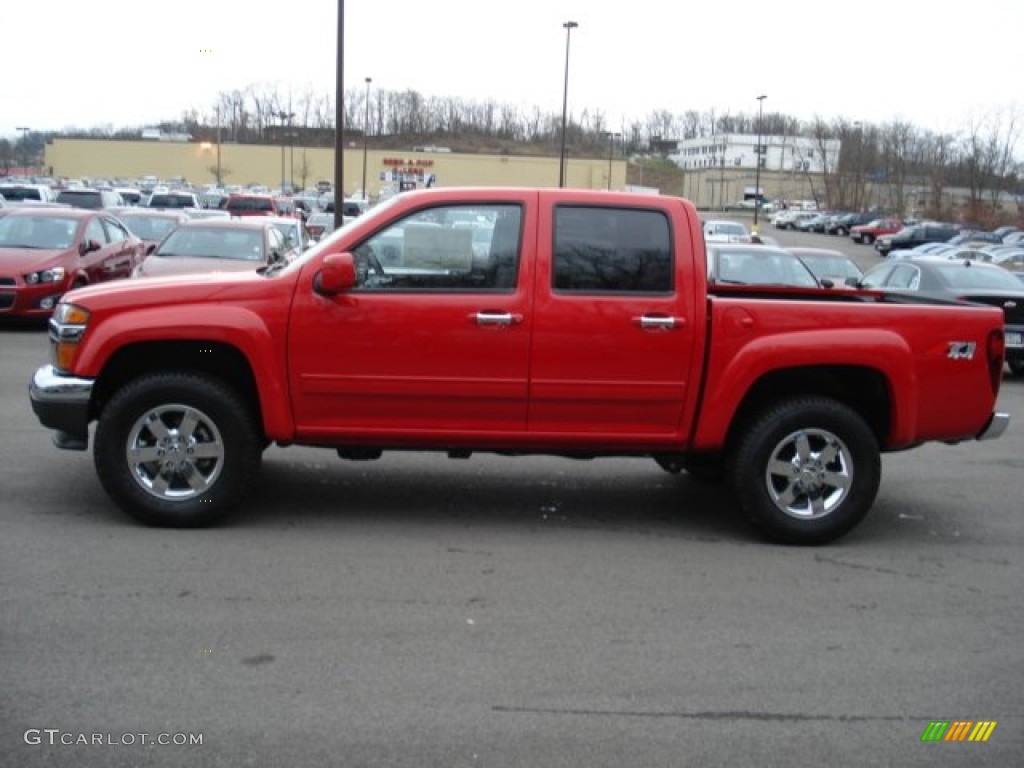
[366, 135]
[339, 117]
[569, 27]
[611, 146]
[283, 116]
[757, 159]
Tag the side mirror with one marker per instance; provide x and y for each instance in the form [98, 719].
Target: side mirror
[150, 249]
[826, 283]
[88, 246]
[337, 274]
[853, 282]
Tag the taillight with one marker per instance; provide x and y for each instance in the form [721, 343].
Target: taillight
[996, 352]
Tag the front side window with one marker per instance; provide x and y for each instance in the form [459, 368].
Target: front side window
[471, 247]
[612, 250]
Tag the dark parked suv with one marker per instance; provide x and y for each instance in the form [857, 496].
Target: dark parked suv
[919, 234]
[842, 225]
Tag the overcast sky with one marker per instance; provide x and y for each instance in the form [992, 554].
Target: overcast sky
[134, 62]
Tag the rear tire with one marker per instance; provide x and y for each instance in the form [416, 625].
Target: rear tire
[177, 450]
[806, 470]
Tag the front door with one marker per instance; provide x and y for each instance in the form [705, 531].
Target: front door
[431, 346]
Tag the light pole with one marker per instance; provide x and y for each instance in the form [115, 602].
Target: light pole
[366, 135]
[569, 27]
[339, 117]
[282, 115]
[611, 146]
[757, 160]
[24, 148]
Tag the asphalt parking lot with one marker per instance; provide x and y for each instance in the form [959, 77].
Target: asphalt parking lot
[417, 611]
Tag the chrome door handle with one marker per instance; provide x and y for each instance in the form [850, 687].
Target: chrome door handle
[496, 318]
[659, 322]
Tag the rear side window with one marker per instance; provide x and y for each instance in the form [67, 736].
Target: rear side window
[612, 250]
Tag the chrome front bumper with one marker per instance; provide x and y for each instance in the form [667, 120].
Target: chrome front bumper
[61, 403]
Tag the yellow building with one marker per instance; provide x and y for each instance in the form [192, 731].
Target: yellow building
[263, 164]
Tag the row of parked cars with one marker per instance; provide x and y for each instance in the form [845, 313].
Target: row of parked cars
[936, 271]
[48, 248]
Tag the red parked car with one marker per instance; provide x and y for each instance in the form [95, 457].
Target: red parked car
[45, 252]
[259, 205]
[868, 233]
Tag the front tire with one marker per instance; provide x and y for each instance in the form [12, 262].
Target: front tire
[177, 450]
[806, 470]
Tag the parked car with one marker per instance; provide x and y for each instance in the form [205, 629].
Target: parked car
[18, 193]
[919, 234]
[45, 252]
[216, 245]
[178, 199]
[831, 268]
[788, 219]
[151, 226]
[959, 281]
[721, 231]
[815, 223]
[319, 225]
[738, 264]
[296, 238]
[868, 233]
[258, 205]
[844, 223]
[92, 199]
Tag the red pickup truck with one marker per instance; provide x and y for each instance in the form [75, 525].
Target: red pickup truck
[515, 321]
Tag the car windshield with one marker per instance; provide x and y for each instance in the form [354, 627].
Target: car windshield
[249, 204]
[43, 232]
[830, 266]
[763, 267]
[149, 227]
[728, 228]
[963, 277]
[171, 201]
[237, 244]
[17, 194]
[81, 198]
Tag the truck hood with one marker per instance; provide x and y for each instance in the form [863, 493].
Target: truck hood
[207, 288]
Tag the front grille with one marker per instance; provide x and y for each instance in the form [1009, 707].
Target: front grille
[7, 281]
[6, 300]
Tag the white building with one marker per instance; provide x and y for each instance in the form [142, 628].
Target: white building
[737, 151]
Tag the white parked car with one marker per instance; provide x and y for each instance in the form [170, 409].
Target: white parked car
[722, 231]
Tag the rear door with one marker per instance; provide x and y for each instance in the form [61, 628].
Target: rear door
[614, 324]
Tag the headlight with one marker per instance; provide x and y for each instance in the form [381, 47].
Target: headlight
[69, 314]
[54, 275]
[66, 328]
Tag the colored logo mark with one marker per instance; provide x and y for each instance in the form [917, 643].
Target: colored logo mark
[958, 730]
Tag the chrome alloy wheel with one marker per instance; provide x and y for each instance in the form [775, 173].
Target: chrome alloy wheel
[175, 452]
[809, 474]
